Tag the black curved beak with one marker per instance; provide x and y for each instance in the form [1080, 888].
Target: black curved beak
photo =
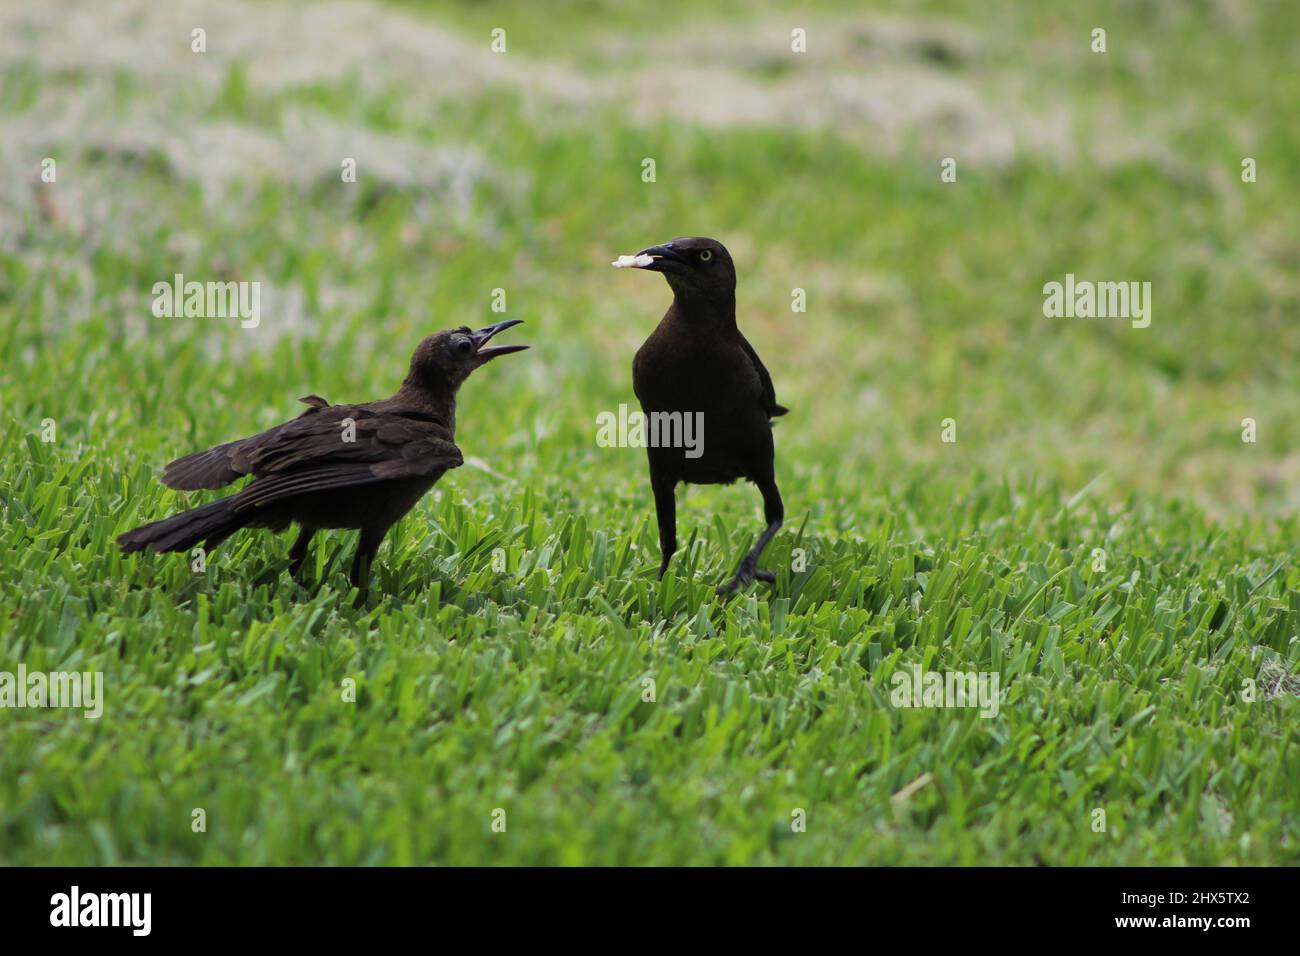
[481, 337]
[666, 259]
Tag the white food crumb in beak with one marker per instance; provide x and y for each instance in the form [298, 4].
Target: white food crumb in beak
[627, 262]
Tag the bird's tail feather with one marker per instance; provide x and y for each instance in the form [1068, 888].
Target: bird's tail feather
[211, 523]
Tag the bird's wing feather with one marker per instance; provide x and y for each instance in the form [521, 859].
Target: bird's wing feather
[310, 455]
[215, 467]
[351, 434]
[394, 443]
[765, 381]
[277, 487]
[212, 468]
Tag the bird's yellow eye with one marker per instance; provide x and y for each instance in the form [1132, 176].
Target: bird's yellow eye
[706, 255]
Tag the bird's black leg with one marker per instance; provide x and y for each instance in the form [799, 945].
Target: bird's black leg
[666, 512]
[298, 553]
[367, 547]
[774, 512]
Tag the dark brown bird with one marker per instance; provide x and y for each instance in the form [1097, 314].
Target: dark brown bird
[697, 361]
[334, 466]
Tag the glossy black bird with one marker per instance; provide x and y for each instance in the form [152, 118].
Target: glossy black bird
[697, 361]
[334, 466]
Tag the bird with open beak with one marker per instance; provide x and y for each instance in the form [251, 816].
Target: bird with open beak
[697, 362]
[334, 466]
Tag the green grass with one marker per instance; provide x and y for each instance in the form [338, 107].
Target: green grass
[523, 690]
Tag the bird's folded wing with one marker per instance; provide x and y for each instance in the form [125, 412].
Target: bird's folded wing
[349, 447]
[212, 468]
[350, 434]
[277, 487]
[328, 477]
[765, 381]
[326, 447]
[215, 467]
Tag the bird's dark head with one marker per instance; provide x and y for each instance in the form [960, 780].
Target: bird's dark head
[695, 267]
[446, 359]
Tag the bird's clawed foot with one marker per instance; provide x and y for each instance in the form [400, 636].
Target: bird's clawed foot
[747, 572]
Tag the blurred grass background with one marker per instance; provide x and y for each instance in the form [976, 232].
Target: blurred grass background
[521, 171]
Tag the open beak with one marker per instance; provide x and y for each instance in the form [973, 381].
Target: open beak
[483, 355]
[666, 259]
